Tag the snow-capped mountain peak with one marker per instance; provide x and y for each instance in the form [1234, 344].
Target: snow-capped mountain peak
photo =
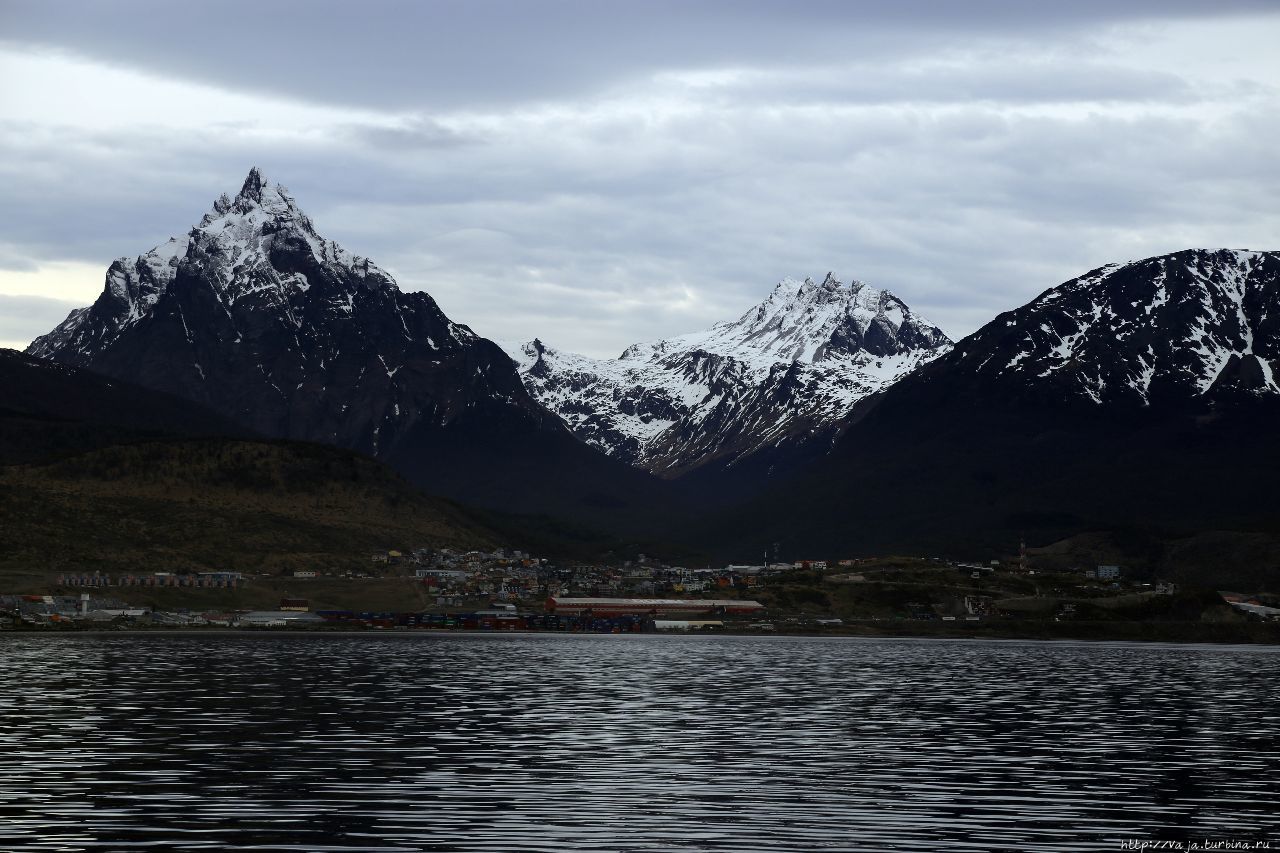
[804, 321]
[257, 315]
[792, 365]
[264, 218]
[808, 322]
[1199, 323]
[258, 249]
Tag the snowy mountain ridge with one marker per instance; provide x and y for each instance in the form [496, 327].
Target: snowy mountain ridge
[789, 368]
[1199, 324]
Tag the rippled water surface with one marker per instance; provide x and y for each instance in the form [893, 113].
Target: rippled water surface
[544, 742]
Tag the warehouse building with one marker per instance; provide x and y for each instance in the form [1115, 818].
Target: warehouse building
[652, 606]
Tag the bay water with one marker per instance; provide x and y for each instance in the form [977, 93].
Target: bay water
[451, 742]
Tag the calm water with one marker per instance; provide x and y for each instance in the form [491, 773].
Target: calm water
[231, 742]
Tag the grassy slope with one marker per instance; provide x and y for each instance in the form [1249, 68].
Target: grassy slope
[213, 504]
[878, 598]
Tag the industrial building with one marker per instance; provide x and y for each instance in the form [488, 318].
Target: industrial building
[651, 606]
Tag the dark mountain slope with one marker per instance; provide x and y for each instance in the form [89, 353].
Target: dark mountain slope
[49, 409]
[100, 474]
[214, 505]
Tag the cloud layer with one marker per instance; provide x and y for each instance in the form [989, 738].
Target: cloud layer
[600, 173]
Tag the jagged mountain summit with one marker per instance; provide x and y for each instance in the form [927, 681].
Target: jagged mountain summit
[256, 250]
[257, 316]
[789, 370]
[1197, 325]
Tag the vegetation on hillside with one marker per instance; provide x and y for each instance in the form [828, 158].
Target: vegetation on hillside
[917, 597]
[215, 504]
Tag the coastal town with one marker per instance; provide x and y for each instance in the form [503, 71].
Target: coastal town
[513, 590]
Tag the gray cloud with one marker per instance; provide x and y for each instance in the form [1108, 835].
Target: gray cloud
[20, 314]
[1013, 80]
[544, 176]
[462, 53]
[414, 134]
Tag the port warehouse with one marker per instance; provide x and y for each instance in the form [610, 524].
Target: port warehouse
[652, 607]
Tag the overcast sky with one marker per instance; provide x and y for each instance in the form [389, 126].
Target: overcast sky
[598, 173]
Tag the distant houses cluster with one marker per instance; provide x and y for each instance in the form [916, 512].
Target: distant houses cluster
[512, 575]
[525, 592]
[449, 557]
[202, 580]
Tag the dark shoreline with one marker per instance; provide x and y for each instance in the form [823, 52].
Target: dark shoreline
[1237, 633]
[1225, 634]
